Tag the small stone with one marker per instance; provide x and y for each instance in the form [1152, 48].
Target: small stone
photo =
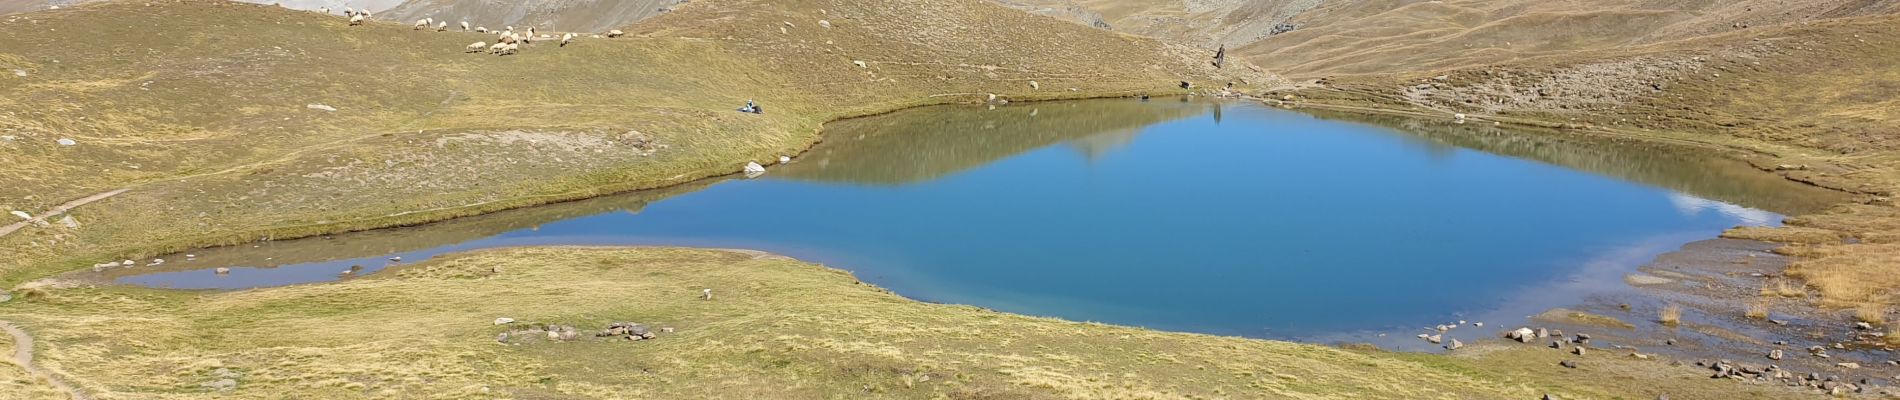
[320, 107]
[1556, 344]
[1848, 365]
[1579, 350]
[1669, 342]
[1863, 326]
[1572, 364]
[824, 23]
[395, 259]
[222, 385]
[860, 64]
[1774, 354]
[223, 271]
[1455, 344]
[67, 142]
[22, 215]
[1435, 339]
[502, 337]
[1542, 333]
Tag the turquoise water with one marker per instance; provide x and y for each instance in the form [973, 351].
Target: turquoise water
[1223, 218]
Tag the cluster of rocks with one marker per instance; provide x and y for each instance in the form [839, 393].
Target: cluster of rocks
[626, 330]
[629, 331]
[1725, 369]
[1441, 330]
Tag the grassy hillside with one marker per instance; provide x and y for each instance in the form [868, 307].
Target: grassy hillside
[1813, 103]
[210, 111]
[775, 328]
[1383, 36]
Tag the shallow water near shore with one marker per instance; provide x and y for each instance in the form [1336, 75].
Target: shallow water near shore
[1221, 218]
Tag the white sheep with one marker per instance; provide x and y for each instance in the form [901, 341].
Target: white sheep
[496, 48]
[506, 38]
[421, 23]
[442, 26]
[510, 48]
[465, 26]
[529, 38]
[349, 12]
[357, 20]
[615, 33]
[477, 47]
[481, 29]
[565, 39]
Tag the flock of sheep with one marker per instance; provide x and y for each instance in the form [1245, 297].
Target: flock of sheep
[508, 42]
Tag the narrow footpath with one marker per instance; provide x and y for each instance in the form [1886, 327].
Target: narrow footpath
[23, 356]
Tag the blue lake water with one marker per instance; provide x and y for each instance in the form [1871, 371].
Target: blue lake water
[1223, 218]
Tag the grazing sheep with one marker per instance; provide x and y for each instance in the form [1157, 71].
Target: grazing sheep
[565, 39]
[421, 23]
[511, 48]
[481, 29]
[477, 47]
[442, 26]
[465, 26]
[508, 38]
[496, 48]
[615, 33]
[356, 20]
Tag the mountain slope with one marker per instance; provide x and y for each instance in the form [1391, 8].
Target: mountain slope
[232, 139]
[560, 15]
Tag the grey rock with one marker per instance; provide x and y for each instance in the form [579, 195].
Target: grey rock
[1454, 345]
[222, 385]
[1774, 354]
[1579, 350]
[1572, 364]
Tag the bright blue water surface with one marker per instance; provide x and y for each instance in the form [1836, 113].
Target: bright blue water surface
[1207, 217]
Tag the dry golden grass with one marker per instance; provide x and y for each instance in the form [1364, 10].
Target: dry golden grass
[1757, 310]
[1670, 315]
[1875, 314]
[777, 328]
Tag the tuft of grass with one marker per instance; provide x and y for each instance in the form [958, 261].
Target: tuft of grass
[1871, 313]
[1757, 310]
[1671, 315]
[1781, 287]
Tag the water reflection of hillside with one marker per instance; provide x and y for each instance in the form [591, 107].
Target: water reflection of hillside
[929, 143]
[1698, 172]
